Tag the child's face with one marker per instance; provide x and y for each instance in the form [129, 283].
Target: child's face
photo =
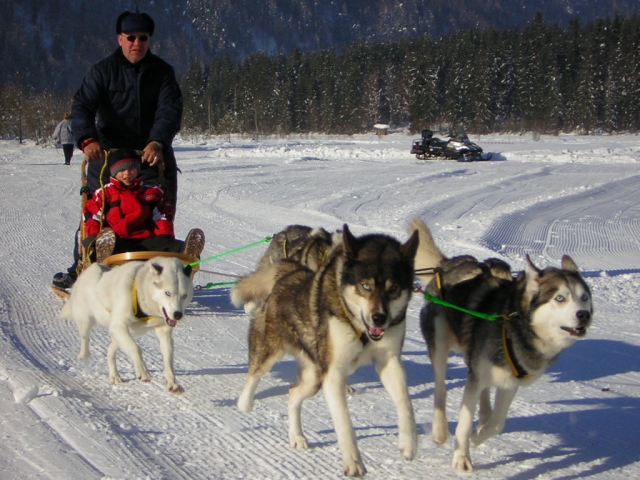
[128, 175]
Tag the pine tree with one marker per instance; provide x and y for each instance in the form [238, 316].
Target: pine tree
[193, 92]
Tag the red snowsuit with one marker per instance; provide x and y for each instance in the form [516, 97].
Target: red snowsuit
[134, 212]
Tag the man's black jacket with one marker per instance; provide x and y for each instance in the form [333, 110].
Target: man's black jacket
[128, 105]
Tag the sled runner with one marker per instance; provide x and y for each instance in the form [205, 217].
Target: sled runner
[84, 191]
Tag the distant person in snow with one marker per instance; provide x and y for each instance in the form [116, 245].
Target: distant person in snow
[131, 99]
[63, 135]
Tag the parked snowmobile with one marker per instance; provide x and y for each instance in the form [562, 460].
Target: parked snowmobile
[457, 147]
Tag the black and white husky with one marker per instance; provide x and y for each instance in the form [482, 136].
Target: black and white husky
[536, 316]
[349, 312]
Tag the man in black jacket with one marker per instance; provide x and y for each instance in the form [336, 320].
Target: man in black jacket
[129, 99]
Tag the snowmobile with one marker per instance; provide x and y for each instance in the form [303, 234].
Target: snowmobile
[457, 147]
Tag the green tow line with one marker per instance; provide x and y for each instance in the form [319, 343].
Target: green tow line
[485, 316]
[229, 252]
[223, 254]
[216, 285]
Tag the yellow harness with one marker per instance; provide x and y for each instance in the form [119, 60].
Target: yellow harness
[516, 369]
[361, 336]
[134, 300]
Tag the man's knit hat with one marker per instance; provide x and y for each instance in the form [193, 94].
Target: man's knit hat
[135, 22]
[122, 159]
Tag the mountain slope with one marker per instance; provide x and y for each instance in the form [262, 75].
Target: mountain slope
[51, 43]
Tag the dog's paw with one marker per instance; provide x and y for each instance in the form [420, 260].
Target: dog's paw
[440, 432]
[144, 376]
[475, 439]
[115, 379]
[175, 388]
[408, 445]
[298, 442]
[354, 468]
[482, 434]
[245, 403]
[461, 462]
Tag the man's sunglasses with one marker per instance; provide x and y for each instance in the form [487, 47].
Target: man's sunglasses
[132, 38]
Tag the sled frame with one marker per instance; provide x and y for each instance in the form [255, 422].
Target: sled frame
[120, 258]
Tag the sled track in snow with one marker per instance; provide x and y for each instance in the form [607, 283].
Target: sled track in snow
[138, 430]
[47, 348]
[589, 216]
[583, 225]
[142, 424]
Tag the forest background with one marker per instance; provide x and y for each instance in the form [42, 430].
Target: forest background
[300, 66]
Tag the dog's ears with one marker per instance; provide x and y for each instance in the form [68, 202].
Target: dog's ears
[187, 270]
[529, 267]
[568, 264]
[157, 269]
[532, 274]
[349, 241]
[410, 247]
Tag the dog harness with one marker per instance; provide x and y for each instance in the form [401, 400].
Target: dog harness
[137, 311]
[517, 369]
[285, 251]
[507, 345]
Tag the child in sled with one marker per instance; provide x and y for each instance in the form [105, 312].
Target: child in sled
[128, 216]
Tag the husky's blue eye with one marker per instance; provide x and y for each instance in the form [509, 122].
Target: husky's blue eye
[365, 286]
[560, 298]
[584, 297]
[167, 293]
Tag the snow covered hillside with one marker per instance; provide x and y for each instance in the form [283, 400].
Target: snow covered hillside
[60, 418]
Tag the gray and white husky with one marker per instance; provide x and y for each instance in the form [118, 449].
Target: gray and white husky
[539, 314]
[309, 246]
[349, 312]
[132, 300]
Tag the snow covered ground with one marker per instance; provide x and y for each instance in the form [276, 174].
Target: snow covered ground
[61, 419]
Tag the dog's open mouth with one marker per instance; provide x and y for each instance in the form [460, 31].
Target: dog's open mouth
[575, 332]
[375, 333]
[170, 321]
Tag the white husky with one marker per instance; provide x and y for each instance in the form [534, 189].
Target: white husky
[131, 300]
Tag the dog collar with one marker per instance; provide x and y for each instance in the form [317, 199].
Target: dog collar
[362, 336]
[517, 369]
[137, 311]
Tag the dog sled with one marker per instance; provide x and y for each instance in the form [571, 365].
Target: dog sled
[119, 258]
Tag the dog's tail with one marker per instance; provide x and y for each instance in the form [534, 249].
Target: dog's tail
[249, 289]
[428, 256]
[255, 288]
